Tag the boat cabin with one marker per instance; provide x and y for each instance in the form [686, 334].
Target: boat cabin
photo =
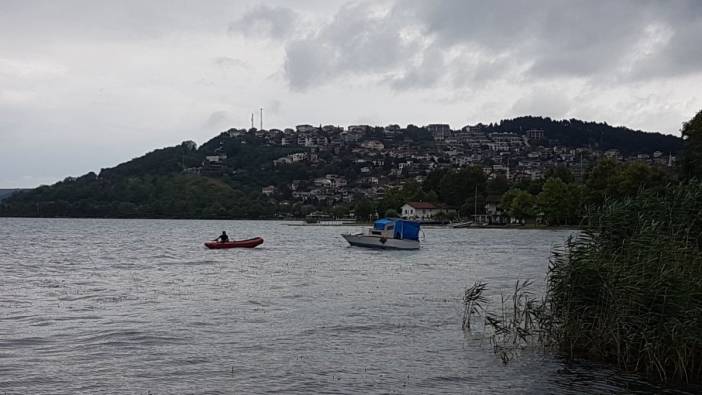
[391, 228]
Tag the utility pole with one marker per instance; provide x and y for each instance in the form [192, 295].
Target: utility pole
[261, 118]
[252, 120]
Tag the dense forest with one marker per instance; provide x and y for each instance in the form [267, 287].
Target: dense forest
[7, 192]
[576, 133]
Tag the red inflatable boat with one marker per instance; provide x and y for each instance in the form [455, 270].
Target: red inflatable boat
[250, 243]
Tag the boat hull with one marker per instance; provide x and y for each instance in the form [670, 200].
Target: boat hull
[250, 243]
[381, 243]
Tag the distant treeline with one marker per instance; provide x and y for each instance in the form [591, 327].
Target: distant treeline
[557, 199]
[576, 133]
[172, 196]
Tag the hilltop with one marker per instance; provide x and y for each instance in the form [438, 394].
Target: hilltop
[275, 173]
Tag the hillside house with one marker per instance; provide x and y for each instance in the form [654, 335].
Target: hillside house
[422, 210]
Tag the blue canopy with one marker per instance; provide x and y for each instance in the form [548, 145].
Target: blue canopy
[403, 229]
[380, 224]
[406, 229]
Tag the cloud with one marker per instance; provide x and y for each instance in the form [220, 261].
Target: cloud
[543, 102]
[227, 62]
[361, 39]
[423, 75]
[598, 41]
[264, 21]
[218, 120]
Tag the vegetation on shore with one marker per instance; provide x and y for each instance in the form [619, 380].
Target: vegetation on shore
[626, 290]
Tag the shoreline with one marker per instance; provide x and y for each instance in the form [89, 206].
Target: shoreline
[301, 222]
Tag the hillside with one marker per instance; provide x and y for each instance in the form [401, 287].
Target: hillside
[4, 193]
[315, 168]
[576, 133]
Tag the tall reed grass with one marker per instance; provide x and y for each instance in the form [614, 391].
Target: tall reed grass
[628, 289]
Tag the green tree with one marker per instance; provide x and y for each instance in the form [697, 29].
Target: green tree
[433, 180]
[522, 206]
[364, 210]
[340, 211]
[560, 203]
[457, 187]
[611, 180]
[392, 213]
[507, 198]
[691, 164]
[561, 172]
[633, 177]
[599, 181]
[498, 185]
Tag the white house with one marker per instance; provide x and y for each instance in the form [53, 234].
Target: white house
[422, 210]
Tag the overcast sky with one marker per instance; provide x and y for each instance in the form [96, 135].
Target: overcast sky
[89, 84]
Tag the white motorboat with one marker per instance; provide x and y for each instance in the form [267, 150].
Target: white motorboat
[388, 233]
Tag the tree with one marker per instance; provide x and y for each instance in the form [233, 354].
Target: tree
[523, 205]
[611, 180]
[340, 211]
[599, 181]
[457, 187]
[561, 172]
[498, 185]
[635, 176]
[560, 203]
[508, 196]
[364, 210]
[431, 183]
[691, 164]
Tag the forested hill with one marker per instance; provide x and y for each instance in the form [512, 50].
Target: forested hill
[7, 192]
[224, 177]
[576, 133]
[158, 185]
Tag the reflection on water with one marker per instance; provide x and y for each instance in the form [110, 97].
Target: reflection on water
[140, 305]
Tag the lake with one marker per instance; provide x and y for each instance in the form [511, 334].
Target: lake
[140, 306]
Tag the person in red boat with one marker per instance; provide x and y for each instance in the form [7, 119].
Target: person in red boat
[223, 238]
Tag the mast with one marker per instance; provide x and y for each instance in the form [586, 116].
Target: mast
[475, 204]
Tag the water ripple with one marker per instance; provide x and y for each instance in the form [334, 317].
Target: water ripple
[140, 306]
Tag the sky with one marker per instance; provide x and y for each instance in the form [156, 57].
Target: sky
[86, 85]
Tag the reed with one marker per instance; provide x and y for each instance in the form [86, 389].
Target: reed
[521, 321]
[628, 289]
[473, 302]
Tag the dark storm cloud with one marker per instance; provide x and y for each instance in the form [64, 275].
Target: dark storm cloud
[409, 45]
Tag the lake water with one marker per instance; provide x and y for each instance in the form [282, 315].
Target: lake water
[140, 306]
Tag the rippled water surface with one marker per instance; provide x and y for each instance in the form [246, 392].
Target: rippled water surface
[139, 306]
